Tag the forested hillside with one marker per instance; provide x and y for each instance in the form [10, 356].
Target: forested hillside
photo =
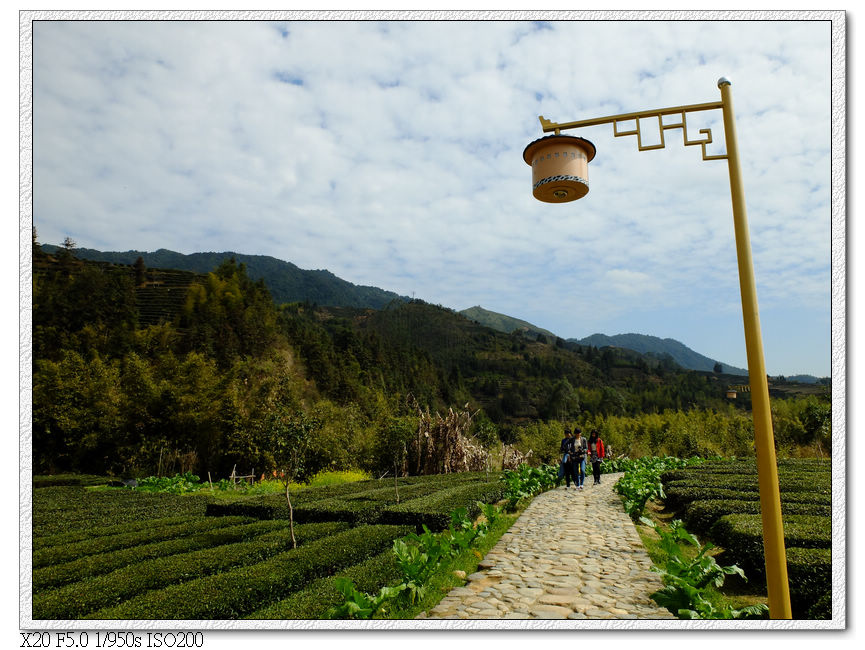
[286, 282]
[136, 370]
[505, 323]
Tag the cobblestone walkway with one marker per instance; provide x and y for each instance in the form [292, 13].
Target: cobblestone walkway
[571, 555]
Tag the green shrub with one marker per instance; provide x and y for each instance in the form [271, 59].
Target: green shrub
[742, 537]
[235, 593]
[69, 479]
[809, 573]
[822, 608]
[677, 498]
[73, 536]
[700, 515]
[789, 483]
[357, 503]
[80, 598]
[94, 565]
[434, 510]
[64, 509]
[60, 554]
[359, 507]
[313, 601]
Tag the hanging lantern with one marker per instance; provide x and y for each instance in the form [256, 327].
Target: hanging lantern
[731, 394]
[560, 167]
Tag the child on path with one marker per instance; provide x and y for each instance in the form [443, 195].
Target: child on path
[597, 453]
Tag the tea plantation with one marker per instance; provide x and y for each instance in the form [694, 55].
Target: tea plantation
[123, 554]
[720, 500]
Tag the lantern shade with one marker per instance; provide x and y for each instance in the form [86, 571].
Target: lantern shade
[560, 167]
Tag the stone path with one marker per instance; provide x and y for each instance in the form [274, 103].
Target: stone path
[571, 555]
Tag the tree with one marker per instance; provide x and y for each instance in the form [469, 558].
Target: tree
[394, 438]
[718, 369]
[612, 402]
[563, 402]
[140, 268]
[289, 434]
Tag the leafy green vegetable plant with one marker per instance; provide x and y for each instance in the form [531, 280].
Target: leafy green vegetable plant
[527, 481]
[418, 556]
[177, 484]
[686, 579]
[359, 605]
[642, 481]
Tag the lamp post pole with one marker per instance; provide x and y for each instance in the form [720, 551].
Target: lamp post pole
[767, 470]
[767, 467]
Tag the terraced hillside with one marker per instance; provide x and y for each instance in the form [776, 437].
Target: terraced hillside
[159, 293]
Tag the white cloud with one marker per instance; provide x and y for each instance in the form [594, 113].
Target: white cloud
[390, 153]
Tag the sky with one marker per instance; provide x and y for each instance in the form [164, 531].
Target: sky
[390, 153]
[117, 112]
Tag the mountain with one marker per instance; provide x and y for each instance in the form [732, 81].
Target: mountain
[808, 379]
[286, 282]
[503, 323]
[655, 346]
[643, 344]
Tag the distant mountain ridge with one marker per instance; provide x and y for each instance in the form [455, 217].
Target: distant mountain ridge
[286, 281]
[289, 283]
[642, 343]
[645, 344]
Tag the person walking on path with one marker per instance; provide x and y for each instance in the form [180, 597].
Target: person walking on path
[579, 457]
[567, 450]
[596, 453]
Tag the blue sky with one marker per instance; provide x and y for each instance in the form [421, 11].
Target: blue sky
[390, 153]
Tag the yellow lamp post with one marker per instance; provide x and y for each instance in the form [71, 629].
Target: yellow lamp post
[560, 174]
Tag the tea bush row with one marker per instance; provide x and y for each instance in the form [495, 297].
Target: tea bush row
[98, 564]
[809, 573]
[307, 495]
[314, 600]
[434, 510]
[73, 536]
[786, 483]
[822, 607]
[69, 479]
[424, 502]
[742, 537]
[63, 509]
[357, 507]
[80, 598]
[677, 498]
[699, 516]
[235, 593]
[809, 471]
[60, 554]
[367, 507]
[816, 464]
[330, 498]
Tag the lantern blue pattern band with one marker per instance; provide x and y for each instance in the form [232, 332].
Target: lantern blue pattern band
[563, 177]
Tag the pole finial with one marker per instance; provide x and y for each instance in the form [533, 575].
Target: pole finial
[723, 81]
